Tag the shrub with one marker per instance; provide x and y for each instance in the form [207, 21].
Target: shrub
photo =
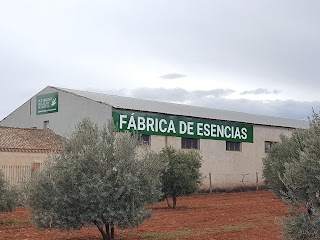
[8, 195]
[101, 178]
[181, 175]
[292, 170]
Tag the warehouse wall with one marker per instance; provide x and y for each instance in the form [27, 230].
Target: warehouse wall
[230, 169]
[72, 109]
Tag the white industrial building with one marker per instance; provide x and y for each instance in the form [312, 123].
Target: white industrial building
[232, 144]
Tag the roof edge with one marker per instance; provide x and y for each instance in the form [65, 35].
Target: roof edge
[66, 91]
[26, 150]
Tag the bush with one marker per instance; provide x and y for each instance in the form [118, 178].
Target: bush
[101, 178]
[301, 226]
[292, 171]
[8, 196]
[281, 155]
[181, 175]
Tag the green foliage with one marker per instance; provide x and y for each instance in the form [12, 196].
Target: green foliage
[287, 151]
[182, 174]
[13, 222]
[22, 192]
[8, 196]
[302, 227]
[101, 178]
[292, 171]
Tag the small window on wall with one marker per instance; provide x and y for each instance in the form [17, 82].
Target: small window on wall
[45, 124]
[144, 139]
[233, 146]
[35, 166]
[268, 145]
[190, 143]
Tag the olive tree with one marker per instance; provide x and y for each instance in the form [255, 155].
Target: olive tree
[101, 177]
[8, 196]
[292, 171]
[181, 175]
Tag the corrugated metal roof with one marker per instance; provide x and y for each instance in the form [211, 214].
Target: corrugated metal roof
[187, 110]
[29, 140]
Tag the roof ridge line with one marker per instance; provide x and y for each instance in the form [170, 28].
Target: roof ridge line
[66, 90]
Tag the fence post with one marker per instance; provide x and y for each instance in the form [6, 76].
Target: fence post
[210, 182]
[257, 182]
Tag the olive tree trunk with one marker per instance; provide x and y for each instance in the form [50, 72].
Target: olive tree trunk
[174, 202]
[104, 229]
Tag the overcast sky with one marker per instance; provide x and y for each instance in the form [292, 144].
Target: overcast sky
[255, 56]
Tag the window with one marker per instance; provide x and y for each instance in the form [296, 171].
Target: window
[190, 143]
[45, 124]
[268, 145]
[35, 166]
[144, 139]
[233, 146]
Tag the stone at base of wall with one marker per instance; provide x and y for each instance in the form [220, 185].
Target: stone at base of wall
[232, 188]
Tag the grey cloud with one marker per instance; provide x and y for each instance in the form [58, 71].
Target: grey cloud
[172, 76]
[287, 109]
[160, 94]
[178, 94]
[260, 91]
[219, 92]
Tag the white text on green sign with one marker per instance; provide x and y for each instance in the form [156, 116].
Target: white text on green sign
[47, 103]
[161, 124]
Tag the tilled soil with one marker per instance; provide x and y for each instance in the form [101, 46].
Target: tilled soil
[246, 215]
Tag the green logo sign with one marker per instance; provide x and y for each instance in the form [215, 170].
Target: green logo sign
[161, 124]
[47, 103]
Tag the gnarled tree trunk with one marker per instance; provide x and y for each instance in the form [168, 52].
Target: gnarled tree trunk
[104, 229]
[174, 201]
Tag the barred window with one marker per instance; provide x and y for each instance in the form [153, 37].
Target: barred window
[144, 139]
[190, 143]
[233, 146]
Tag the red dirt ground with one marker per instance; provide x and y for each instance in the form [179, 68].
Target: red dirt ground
[232, 216]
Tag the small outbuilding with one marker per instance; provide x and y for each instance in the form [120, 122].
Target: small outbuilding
[23, 151]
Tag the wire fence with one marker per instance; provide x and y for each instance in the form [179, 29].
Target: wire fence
[16, 174]
[236, 182]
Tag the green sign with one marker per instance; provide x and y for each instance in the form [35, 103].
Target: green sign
[161, 124]
[47, 103]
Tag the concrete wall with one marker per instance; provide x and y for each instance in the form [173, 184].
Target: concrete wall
[230, 168]
[21, 158]
[18, 166]
[72, 109]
